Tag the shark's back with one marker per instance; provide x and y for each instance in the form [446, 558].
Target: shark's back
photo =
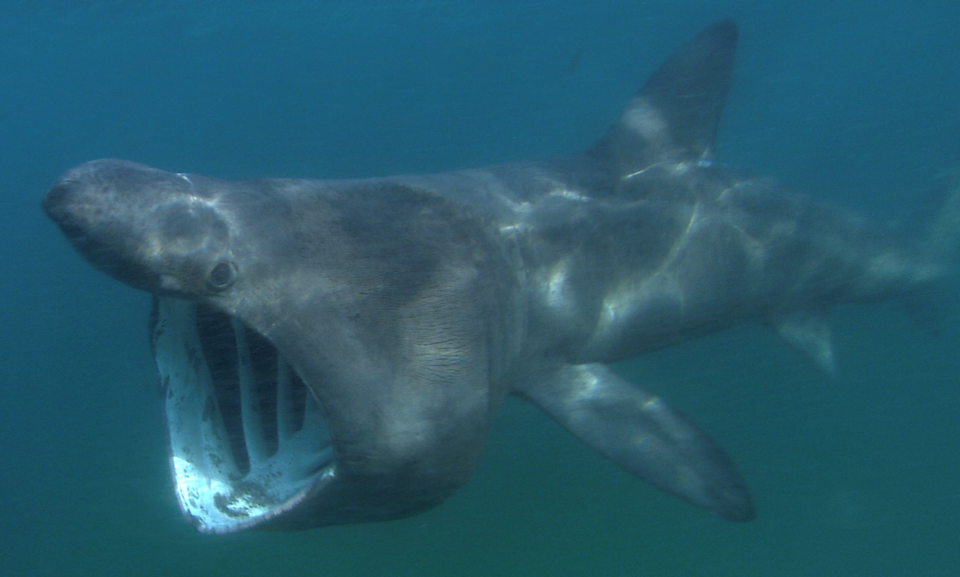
[645, 240]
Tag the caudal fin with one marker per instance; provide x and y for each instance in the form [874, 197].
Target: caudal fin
[937, 224]
[941, 221]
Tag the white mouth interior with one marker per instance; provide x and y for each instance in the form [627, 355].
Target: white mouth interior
[247, 438]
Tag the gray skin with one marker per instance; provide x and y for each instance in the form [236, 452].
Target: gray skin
[410, 306]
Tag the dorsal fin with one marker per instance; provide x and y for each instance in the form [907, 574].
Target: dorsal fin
[676, 114]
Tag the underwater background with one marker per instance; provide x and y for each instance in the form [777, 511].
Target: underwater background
[857, 102]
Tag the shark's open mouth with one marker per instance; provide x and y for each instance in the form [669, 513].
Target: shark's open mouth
[247, 438]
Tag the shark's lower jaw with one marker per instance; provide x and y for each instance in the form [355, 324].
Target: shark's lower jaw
[247, 439]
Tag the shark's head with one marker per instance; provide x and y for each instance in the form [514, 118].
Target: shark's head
[321, 362]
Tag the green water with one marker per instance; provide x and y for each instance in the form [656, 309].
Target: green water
[856, 475]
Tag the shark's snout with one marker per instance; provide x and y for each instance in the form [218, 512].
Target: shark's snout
[81, 205]
[73, 205]
[148, 228]
[63, 203]
[56, 203]
[82, 202]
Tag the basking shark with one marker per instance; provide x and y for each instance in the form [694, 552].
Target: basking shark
[335, 351]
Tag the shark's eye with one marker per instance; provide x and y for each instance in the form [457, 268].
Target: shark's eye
[222, 275]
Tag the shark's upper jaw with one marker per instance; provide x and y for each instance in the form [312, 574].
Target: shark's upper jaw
[248, 441]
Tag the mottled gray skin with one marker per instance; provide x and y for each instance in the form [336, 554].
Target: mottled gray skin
[412, 305]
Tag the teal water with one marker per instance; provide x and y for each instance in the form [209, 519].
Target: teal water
[856, 102]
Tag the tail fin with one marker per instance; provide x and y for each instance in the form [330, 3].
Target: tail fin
[941, 222]
[676, 114]
[937, 225]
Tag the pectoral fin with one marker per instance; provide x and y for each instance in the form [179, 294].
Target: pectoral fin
[644, 436]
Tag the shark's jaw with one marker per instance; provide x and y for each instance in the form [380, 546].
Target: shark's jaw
[248, 441]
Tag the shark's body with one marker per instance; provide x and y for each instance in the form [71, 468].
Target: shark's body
[410, 306]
